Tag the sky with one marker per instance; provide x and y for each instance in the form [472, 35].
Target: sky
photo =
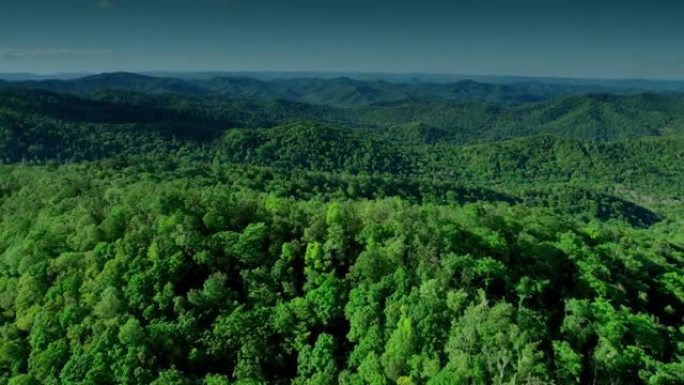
[579, 38]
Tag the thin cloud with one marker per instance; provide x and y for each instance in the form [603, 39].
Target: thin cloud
[212, 3]
[104, 4]
[48, 53]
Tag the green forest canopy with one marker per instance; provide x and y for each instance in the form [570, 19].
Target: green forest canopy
[180, 236]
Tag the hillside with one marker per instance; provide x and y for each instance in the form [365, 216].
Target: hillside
[40, 126]
[592, 116]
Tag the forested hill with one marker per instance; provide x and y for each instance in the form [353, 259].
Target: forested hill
[593, 116]
[597, 139]
[321, 232]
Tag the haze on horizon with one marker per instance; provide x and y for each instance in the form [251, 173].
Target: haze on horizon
[585, 39]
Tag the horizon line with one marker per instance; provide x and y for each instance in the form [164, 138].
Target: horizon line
[157, 72]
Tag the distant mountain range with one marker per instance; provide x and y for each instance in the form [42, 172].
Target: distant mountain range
[421, 113]
[338, 91]
[593, 83]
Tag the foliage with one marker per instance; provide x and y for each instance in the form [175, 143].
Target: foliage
[144, 239]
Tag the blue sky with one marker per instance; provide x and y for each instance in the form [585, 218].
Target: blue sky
[600, 38]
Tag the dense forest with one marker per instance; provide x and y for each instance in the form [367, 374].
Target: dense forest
[337, 231]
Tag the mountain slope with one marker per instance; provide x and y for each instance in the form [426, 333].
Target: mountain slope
[593, 117]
